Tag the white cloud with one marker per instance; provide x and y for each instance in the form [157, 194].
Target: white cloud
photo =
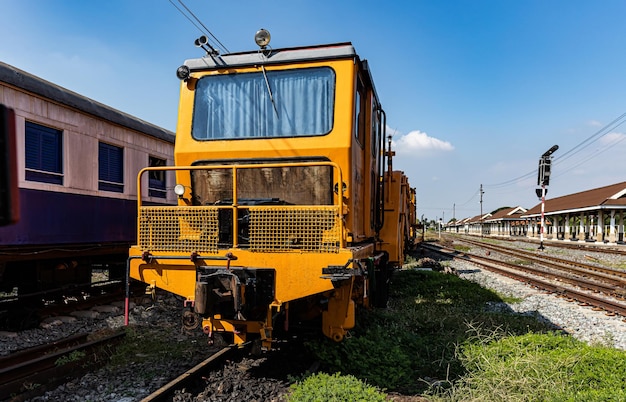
[612, 138]
[418, 141]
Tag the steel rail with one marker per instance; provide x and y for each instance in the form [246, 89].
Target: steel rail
[37, 351]
[38, 368]
[598, 275]
[165, 392]
[619, 249]
[512, 271]
[541, 257]
[595, 286]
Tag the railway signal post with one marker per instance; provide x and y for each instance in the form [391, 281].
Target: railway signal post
[543, 179]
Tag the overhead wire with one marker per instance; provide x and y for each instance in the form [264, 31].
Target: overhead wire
[618, 121]
[204, 29]
[593, 155]
[470, 199]
[512, 181]
[607, 129]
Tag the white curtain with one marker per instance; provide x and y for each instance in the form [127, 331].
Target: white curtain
[239, 105]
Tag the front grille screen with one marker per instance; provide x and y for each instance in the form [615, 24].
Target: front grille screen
[287, 229]
[206, 229]
[179, 229]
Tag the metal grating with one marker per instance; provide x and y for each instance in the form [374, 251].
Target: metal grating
[178, 229]
[276, 229]
[267, 229]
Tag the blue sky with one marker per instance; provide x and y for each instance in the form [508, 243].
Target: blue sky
[474, 91]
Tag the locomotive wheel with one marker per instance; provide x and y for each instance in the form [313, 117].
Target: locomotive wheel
[191, 320]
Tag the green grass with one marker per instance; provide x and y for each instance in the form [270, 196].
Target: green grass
[141, 347]
[618, 265]
[539, 367]
[437, 339]
[414, 341]
[509, 299]
[521, 262]
[322, 387]
[74, 356]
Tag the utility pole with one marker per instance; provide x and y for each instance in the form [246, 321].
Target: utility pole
[438, 222]
[543, 179]
[481, 210]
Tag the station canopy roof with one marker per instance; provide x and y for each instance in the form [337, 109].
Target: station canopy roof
[605, 198]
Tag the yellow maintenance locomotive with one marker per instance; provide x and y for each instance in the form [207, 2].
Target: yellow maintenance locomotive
[288, 205]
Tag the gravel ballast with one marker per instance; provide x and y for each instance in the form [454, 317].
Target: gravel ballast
[127, 384]
[582, 322]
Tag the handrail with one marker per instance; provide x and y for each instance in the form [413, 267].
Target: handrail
[338, 178]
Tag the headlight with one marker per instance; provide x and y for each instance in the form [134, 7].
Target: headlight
[183, 72]
[179, 189]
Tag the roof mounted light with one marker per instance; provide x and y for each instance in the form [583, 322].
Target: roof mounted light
[262, 38]
[203, 42]
[183, 72]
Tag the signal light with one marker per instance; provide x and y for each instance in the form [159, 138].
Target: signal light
[543, 178]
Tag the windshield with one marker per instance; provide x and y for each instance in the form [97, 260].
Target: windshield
[297, 103]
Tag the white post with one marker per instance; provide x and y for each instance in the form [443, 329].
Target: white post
[543, 199]
[612, 237]
[600, 225]
[581, 227]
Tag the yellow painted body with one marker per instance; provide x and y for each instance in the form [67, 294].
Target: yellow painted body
[299, 274]
[398, 231]
[306, 259]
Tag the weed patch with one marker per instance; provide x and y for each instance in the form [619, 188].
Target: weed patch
[74, 356]
[336, 387]
[438, 339]
[414, 341]
[538, 367]
[139, 345]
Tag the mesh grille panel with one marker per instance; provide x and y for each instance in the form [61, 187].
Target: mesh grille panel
[274, 229]
[261, 229]
[179, 229]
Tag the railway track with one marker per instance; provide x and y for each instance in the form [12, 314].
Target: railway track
[544, 256]
[556, 281]
[22, 313]
[31, 371]
[593, 277]
[195, 373]
[572, 245]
